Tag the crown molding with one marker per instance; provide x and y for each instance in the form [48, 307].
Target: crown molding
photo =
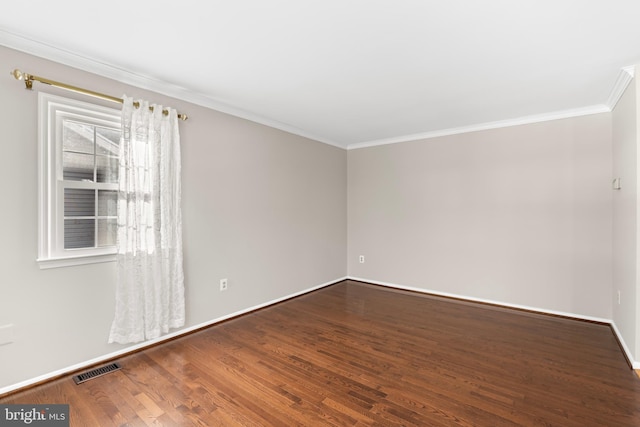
[68, 58]
[557, 115]
[624, 78]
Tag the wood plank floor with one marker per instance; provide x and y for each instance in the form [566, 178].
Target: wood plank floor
[358, 355]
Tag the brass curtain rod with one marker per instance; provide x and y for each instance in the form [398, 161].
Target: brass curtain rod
[30, 78]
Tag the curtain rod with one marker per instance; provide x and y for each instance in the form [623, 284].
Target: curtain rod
[30, 78]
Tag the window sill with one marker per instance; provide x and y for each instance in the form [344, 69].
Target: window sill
[46, 263]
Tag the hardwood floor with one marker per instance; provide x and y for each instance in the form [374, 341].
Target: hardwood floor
[354, 354]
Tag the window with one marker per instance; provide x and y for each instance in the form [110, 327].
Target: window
[78, 166]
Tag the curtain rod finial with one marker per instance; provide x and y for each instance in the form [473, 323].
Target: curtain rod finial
[19, 75]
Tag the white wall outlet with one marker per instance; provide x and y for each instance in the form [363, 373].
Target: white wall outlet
[224, 284]
[361, 259]
[6, 334]
[618, 296]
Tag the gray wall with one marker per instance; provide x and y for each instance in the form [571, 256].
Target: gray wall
[261, 207]
[625, 217]
[519, 215]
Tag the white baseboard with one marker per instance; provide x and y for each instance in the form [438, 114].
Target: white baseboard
[110, 356]
[634, 364]
[628, 354]
[150, 343]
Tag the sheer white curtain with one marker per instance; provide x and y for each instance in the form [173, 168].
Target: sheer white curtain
[150, 279]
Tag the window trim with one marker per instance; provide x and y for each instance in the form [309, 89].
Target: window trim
[52, 109]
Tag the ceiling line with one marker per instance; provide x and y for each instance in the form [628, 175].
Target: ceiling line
[538, 118]
[64, 57]
[52, 53]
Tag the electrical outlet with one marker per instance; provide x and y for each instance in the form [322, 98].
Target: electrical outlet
[224, 284]
[361, 259]
[618, 296]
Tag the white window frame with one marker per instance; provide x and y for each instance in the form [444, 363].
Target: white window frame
[52, 110]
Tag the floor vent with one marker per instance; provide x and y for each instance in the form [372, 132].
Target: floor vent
[94, 373]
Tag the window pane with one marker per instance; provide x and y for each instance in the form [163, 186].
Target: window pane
[79, 202]
[107, 141]
[79, 233]
[77, 167]
[107, 169]
[107, 229]
[77, 137]
[107, 203]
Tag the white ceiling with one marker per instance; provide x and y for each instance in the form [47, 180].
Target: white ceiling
[348, 72]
